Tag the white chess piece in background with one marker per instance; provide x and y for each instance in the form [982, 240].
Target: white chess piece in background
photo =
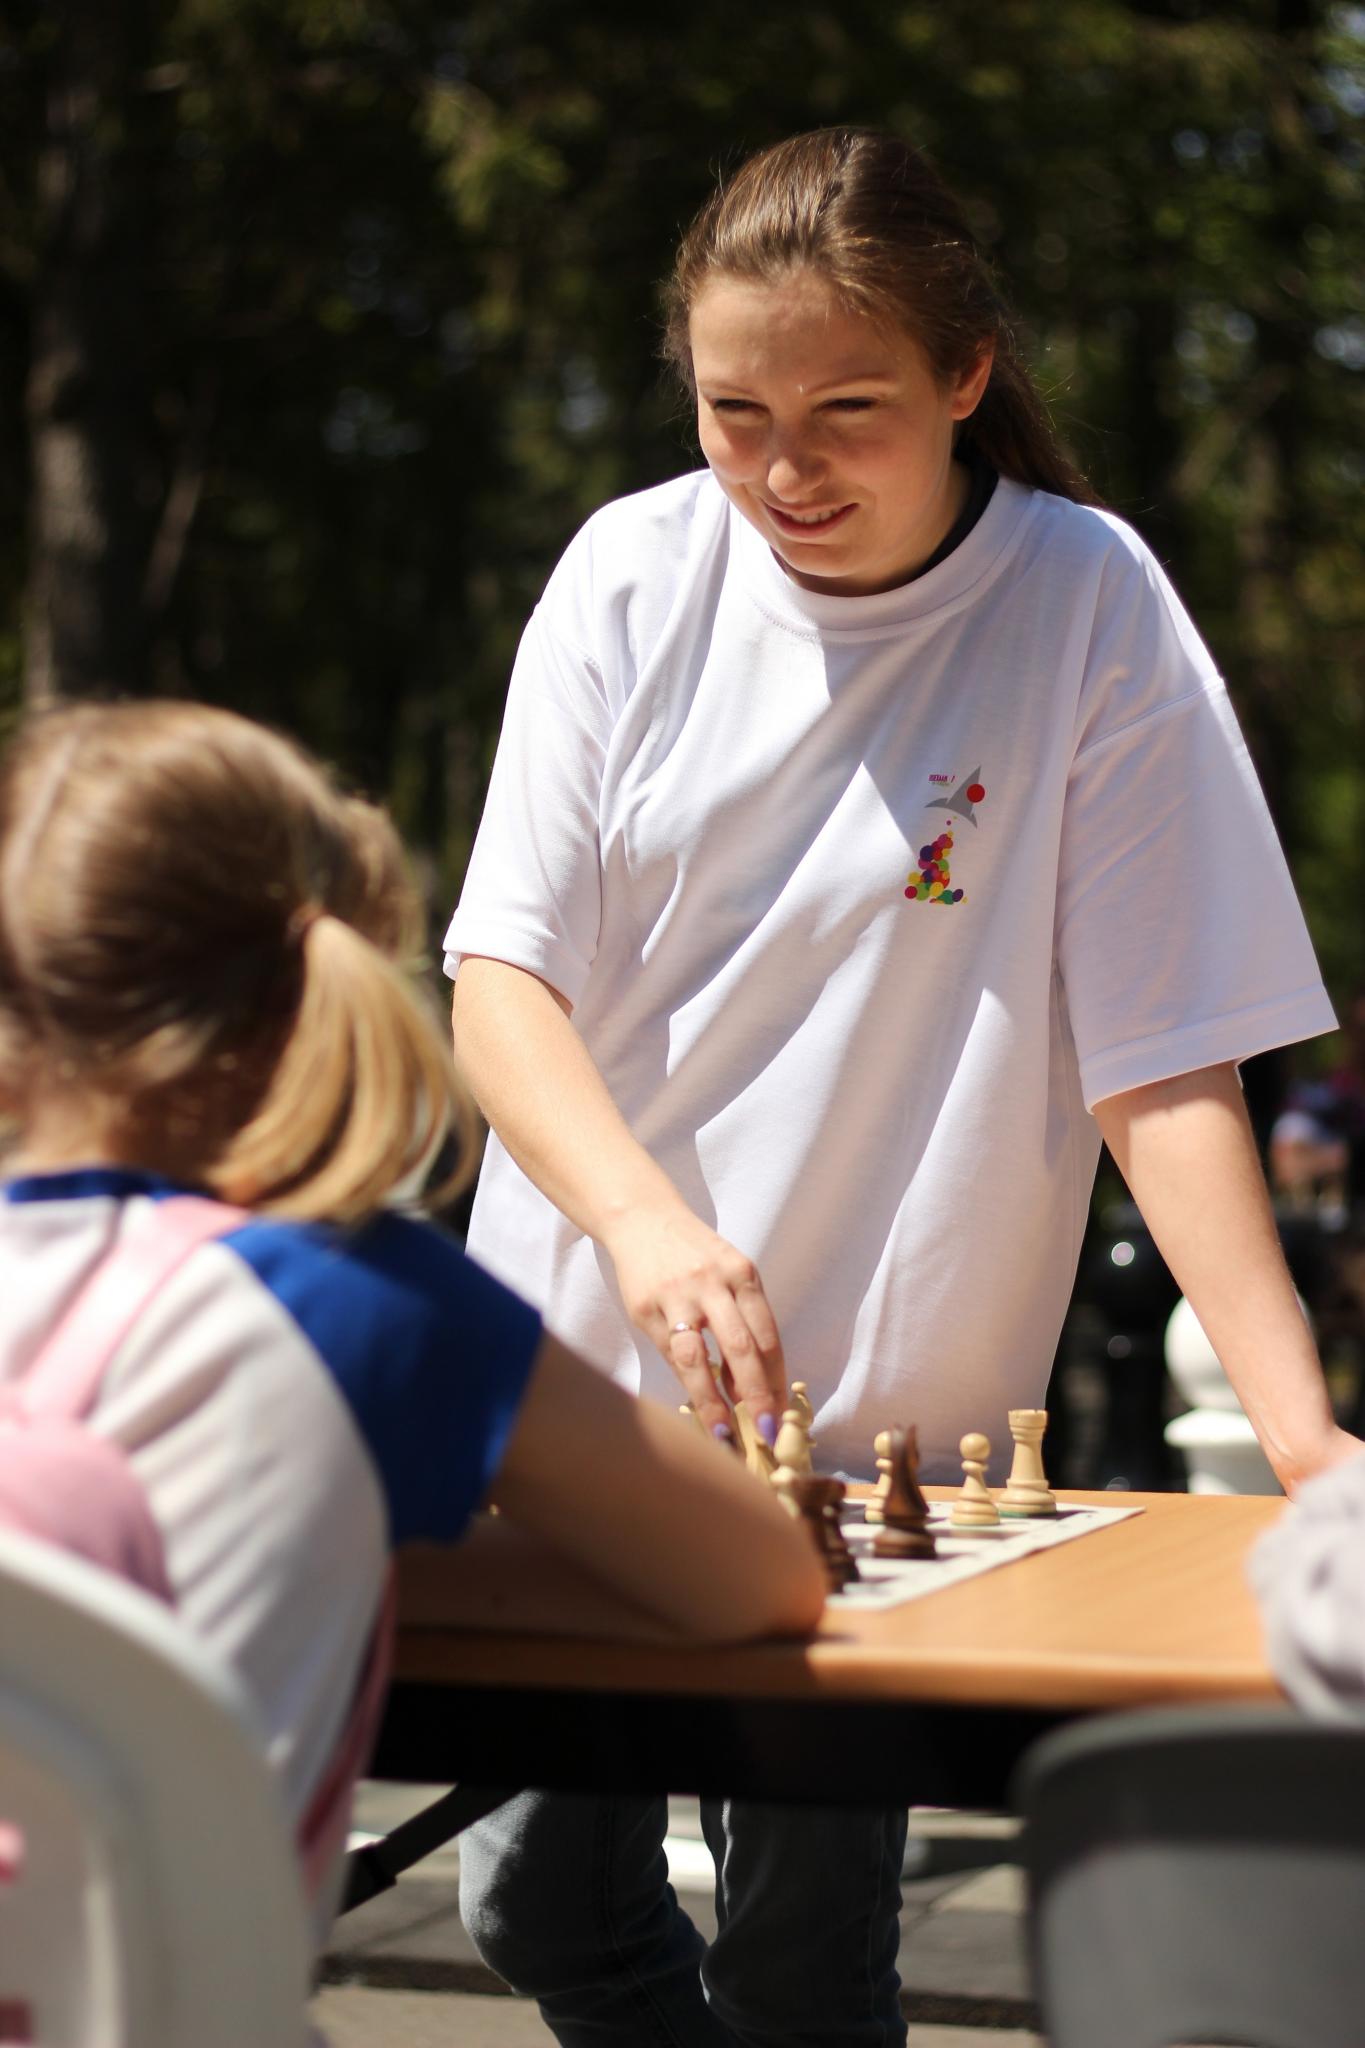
[1215, 1438]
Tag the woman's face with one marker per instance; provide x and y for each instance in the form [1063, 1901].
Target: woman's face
[827, 431]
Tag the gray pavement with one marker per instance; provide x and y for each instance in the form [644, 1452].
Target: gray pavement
[402, 1973]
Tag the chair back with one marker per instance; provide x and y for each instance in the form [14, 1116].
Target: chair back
[149, 1888]
[1197, 1876]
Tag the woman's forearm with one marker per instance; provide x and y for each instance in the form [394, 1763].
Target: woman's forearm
[1185, 1148]
[539, 1088]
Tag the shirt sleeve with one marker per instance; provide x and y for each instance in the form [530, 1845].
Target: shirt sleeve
[431, 1354]
[1308, 1575]
[1180, 941]
[532, 895]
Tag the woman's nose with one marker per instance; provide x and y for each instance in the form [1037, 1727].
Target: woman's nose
[793, 467]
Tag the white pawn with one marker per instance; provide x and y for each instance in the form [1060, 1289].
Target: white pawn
[974, 1508]
[792, 1448]
[801, 1402]
[881, 1444]
[1026, 1491]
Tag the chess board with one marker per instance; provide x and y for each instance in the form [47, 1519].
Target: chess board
[889, 1582]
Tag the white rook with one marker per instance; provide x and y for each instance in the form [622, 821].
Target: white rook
[1026, 1491]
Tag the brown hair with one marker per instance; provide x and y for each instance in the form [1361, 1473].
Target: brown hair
[867, 213]
[198, 940]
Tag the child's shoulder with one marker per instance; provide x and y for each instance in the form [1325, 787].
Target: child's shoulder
[395, 1270]
[430, 1353]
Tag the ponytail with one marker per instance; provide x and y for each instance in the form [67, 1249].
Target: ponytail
[1011, 432]
[199, 943]
[362, 1094]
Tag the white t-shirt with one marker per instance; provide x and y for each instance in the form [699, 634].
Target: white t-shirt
[716, 823]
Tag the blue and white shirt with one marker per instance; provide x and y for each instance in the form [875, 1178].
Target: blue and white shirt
[296, 1400]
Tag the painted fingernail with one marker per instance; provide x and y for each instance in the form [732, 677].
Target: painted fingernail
[767, 1429]
[722, 1433]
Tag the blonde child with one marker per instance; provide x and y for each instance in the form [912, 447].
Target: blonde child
[200, 991]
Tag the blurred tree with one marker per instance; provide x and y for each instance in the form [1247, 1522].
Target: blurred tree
[92, 493]
[323, 323]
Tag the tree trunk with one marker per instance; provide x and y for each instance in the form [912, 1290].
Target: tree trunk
[92, 480]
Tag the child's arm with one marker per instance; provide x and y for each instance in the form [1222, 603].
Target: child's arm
[626, 1521]
[501, 1577]
[1185, 1148]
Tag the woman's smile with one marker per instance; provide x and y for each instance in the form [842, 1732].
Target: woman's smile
[807, 525]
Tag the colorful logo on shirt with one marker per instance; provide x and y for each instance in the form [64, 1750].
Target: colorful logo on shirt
[931, 881]
[964, 798]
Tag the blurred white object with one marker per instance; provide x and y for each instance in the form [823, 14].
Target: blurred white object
[1215, 1439]
[149, 1889]
[1221, 1452]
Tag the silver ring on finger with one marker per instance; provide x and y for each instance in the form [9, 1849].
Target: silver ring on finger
[686, 1329]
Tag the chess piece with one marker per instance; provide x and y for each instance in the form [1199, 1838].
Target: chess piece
[801, 1402]
[872, 1509]
[758, 1458]
[974, 1509]
[792, 1447]
[817, 1498]
[905, 1530]
[1026, 1491]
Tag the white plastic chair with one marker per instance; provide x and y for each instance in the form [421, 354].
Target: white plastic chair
[156, 1901]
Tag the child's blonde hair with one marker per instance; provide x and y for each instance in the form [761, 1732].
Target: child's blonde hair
[199, 938]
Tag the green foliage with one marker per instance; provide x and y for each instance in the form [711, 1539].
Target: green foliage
[400, 271]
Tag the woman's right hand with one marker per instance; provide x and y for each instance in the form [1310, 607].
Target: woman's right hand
[678, 1277]
[537, 1084]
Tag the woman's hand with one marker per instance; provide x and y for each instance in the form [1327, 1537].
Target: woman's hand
[1186, 1149]
[1333, 1448]
[677, 1278]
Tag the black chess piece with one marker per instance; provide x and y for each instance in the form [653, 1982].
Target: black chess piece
[905, 1531]
[818, 1498]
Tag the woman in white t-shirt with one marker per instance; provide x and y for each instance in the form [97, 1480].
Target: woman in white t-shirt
[869, 834]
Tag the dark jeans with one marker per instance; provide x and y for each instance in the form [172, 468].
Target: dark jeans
[568, 1900]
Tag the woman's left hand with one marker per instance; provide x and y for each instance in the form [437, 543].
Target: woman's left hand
[1294, 1469]
[1186, 1149]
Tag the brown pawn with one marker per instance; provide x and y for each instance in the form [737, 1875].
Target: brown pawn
[817, 1498]
[905, 1531]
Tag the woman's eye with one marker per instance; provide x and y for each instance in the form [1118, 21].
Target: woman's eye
[852, 404]
[733, 405]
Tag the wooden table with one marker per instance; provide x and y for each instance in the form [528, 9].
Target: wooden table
[930, 1703]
